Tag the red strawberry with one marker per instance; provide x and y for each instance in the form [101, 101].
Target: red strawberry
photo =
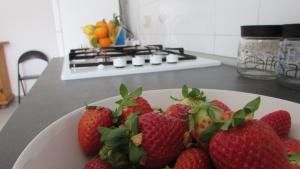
[142, 106]
[97, 163]
[193, 158]
[221, 105]
[162, 138]
[293, 166]
[130, 103]
[153, 139]
[203, 120]
[292, 147]
[280, 121]
[179, 111]
[90, 121]
[250, 145]
[199, 113]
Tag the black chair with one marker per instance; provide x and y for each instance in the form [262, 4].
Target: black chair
[25, 57]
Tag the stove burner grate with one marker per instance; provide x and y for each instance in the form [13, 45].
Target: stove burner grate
[121, 51]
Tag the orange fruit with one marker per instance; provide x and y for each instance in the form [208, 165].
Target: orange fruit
[104, 42]
[101, 32]
[101, 24]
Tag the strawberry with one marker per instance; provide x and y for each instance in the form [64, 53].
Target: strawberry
[142, 106]
[161, 150]
[280, 121]
[253, 144]
[221, 105]
[193, 158]
[150, 139]
[89, 122]
[293, 166]
[97, 163]
[200, 112]
[130, 103]
[292, 147]
[179, 111]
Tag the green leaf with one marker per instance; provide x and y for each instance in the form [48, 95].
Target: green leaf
[175, 99]
[115, 145]
[90, 107]
[116, 114]
[240, 114]
[136, 93]
[104, 133]
[115, 158]
[135, 153]
[238, 118]
[191, 122]
[253, 105]
[211, 114]
[123, 90]
[194, 93]
[210, 131]
[294, 157]
[119, 102]
[94, 42]
[131, 124]
[226, 125]
[185, 91]
[195, 109]
[129, 103]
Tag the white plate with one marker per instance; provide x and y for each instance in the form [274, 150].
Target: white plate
[56, 147]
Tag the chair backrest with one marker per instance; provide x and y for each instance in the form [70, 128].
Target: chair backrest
[33, 55]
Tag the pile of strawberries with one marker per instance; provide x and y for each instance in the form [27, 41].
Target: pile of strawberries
[193, 133]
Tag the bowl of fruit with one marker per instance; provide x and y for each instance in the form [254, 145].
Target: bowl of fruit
[184, 128]
[104, 34]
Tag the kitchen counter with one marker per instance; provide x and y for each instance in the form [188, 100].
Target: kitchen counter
[51, 98]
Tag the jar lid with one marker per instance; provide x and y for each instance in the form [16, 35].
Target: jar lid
[261, 31]
[291, 31]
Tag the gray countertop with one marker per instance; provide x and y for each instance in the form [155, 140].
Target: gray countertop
[51, 98]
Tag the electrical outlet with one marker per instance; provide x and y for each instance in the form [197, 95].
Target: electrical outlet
[147, 21]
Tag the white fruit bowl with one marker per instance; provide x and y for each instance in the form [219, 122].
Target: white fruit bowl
[57, 147]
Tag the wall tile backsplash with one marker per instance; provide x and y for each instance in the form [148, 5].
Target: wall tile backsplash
[208, 26]
[230, 14]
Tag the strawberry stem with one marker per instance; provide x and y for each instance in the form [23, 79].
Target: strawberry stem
[294, 158]
[238, 119]
[119, 146]
[128, 99]
[194, 94]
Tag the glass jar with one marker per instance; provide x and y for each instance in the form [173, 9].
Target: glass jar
[258, 50]
[288, 68]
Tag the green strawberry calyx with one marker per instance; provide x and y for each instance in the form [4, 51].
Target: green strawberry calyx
[239, 118]
[128, 99]
[294, 158]
[193, 95]
[92, 107]
[122, 145]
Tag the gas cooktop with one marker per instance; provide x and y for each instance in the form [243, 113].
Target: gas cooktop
[122, 60]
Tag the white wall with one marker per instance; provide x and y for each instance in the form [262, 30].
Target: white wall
[209, 26]
[27, 25]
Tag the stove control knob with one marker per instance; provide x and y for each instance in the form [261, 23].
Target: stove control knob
[171, 58]
[156, 59]
[138, 61]
[120, 62]
[100, 67]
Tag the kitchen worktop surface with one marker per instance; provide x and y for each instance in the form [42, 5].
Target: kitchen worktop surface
[51, 98]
